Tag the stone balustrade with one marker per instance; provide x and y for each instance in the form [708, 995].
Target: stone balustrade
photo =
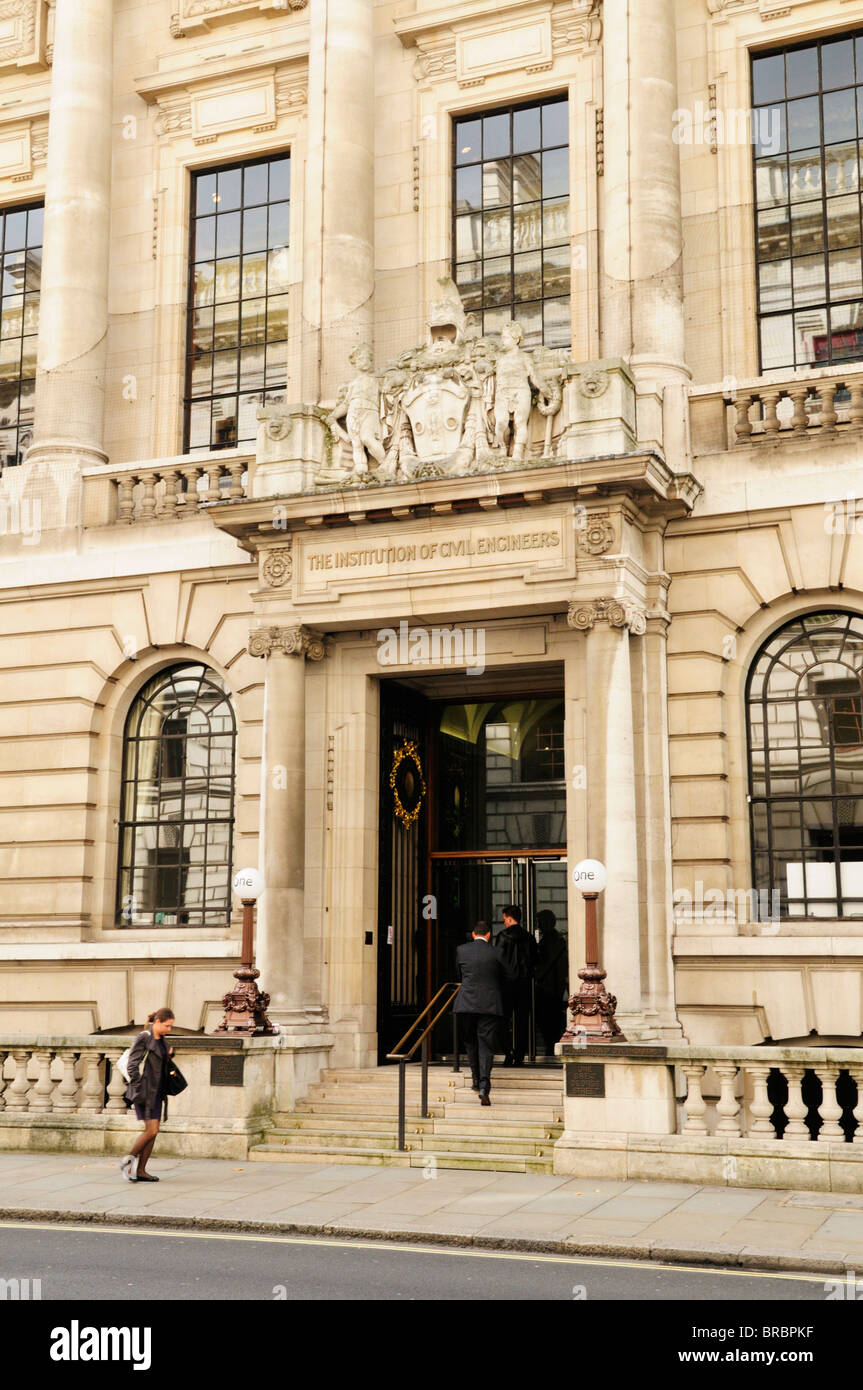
[163, 490]
[66, 1093]
[774, 1093]
[777, 1116]
[807, 403]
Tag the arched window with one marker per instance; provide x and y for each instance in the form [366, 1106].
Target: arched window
[805, 714]
[177, 804]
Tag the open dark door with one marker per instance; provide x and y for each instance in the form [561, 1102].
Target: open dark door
[404, 934]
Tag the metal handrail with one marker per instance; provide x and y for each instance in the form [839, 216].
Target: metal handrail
[398, 1055]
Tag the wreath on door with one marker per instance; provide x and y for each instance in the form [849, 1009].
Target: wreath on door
[407, 783]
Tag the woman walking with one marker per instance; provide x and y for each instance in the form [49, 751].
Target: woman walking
[147, 1091]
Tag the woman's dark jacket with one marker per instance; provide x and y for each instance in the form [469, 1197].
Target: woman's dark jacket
[146, 1072]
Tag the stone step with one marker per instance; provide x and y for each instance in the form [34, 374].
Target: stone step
[541, 1114]
[412, 1158]
[507, 1096]
[430, 1143]
[327, 1120]
[368, 1095]
[461, 1124]
[517, 1076]
[312, 1106]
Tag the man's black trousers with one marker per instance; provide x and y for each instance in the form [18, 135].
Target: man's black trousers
[480, 1032]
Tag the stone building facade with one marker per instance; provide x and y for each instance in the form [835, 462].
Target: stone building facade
[310, 560]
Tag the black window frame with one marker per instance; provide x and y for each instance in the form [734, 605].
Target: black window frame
[512, 306]
[268, 393]
[166, 761]
[831, 359]
[829, 620]
[23, 430]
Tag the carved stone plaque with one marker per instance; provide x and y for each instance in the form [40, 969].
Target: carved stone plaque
[585, 1080]
[226, 1069]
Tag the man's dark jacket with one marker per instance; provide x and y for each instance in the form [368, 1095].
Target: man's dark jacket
[145, 1067]
[484, 975]
[518, 949]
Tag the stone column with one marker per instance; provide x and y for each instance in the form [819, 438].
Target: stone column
[650, 686]
[642, 278]
[279, 945]
[338, 254]
[611, 800]
[70, 380]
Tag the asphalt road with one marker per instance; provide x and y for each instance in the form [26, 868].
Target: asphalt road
[90, 1264]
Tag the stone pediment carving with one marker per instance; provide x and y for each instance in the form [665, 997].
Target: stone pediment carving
[460, 403]
[193, 16]
[23, 28]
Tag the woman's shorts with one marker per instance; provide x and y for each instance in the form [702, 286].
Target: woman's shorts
[154, 1112]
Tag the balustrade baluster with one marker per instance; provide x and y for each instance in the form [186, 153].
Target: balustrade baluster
[799, 419]
[3, 1056]
[40, 1096]
[695, 1104]
[66, 1093]
[92, 1084]
[117, 1085]
[147, 506]
[126, 500]
[190, 472]
[857, 1077]
[769, 402]
[214, 472]
[857, 1112]
[728, 1106]
[855, 410]
[169, 500]
[17, 1096]
[760, 1107]
[795, 1107]
[742, 423]
[827, 391]
[236, 471]
[830, 1110]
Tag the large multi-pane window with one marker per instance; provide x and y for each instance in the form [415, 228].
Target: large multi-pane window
[808, 119]
[511, 248]
[805, 715]
[21, 232]
[177, 806]
[238, 300]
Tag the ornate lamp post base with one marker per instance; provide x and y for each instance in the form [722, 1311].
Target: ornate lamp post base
[246, 1006]
[593, 1010]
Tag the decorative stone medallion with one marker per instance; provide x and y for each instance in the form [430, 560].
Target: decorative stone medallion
[277, 567]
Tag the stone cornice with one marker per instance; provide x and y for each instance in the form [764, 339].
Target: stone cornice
[155, 86]
[616, 612]
[292, 641]
[496, 36]
[645, 477]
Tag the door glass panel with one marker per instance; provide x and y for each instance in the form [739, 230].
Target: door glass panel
[501, 776]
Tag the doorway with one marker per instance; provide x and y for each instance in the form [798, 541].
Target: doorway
[473, 817]
[471, 888]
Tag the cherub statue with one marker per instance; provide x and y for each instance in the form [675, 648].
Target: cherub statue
[358, 404]
[512, 399]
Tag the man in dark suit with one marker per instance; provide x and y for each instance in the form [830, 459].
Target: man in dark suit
[518, 950]
[479, 1004]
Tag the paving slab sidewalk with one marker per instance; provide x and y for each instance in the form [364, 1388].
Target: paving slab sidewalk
[669, 1222]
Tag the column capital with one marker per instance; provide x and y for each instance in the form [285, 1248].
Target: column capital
[292, 641]
[583, 616]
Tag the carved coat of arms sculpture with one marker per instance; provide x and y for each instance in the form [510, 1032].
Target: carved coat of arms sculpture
[460, 403]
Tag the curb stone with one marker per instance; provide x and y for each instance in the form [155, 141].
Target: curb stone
[712, 1255]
